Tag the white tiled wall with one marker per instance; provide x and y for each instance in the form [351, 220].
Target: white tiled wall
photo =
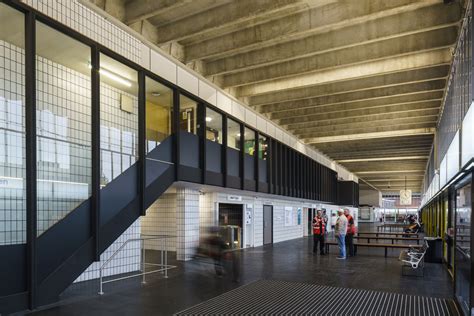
[161, 219]
[187, 219]
[207, 212]
[127, 260]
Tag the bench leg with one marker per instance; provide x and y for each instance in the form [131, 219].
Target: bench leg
[385, 252]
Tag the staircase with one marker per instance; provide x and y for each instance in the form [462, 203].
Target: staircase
[67, 249]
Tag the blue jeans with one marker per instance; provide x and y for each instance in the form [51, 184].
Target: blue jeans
[341, 241]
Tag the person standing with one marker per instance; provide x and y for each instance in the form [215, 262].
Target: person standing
[350, 233]
[340, 230]
[319, 229]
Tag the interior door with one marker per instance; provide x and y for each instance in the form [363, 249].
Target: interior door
[267, 224]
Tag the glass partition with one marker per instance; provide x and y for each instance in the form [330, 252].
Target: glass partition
[262, 147]
[12, 127]
[118, 118]
[463, 246]
[249, 141]
[188, 115]
[63, 124]
[159, 107]
[213, 126]
[233, 134]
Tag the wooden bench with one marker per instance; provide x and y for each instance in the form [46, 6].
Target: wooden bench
[386, 246]
[390, 226]
[388, 234]
[389, 238]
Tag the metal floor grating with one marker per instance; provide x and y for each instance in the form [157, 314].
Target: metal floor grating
[271, 297]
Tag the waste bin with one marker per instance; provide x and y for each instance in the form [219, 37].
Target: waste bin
[434, 253]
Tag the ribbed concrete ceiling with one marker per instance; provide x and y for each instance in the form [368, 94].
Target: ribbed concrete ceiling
[360, 80]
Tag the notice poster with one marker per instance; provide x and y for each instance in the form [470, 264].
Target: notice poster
[288, 216]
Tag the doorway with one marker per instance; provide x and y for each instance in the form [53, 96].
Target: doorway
[231, 223]
[310, 217]
[267, 224]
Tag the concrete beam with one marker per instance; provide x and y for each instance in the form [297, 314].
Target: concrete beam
[317, 20]
[379, 67]
[230, 17]
[397, 158]
[389, 171]
[367, 118]
[146, 29]
[414, 43]
[174, 49]
[422, 150]
[404, 108]
[407, 93]
[375, 146]
[389, 134]
[368, 129]
[363, 123]
[137, 11]
[406, 23]
[360, 84]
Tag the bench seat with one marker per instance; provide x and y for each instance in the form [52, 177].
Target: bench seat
[386, 246]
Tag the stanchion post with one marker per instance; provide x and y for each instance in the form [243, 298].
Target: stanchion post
[143, 261]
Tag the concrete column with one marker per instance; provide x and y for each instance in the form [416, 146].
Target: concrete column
[187, 220]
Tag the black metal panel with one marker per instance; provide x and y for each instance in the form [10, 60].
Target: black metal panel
[233, 182]
[14, 303]
[249, 168]
[115, 227]
[213, 156]
[160, 184]
[233, 162]
[66, 273]
[189, 150]
[141, 180]
[118, 194]
[190, 174]
[12, 269]
[59, 242]
[250, 185]
[95, 148]
[346, 193]
[165, 151]
[30, 156]
[214, 178]
[262, 171]
[263, 187]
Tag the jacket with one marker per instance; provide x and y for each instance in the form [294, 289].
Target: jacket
[319, 226]
[350, 225]
[341, 225]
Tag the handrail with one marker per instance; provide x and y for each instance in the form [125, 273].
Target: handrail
[161, 161]
[164, 259]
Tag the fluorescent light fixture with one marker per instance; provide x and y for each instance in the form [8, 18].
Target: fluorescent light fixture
[115, 77]
[109, 74]
[155, 94]
[208, 118]
[238, 135]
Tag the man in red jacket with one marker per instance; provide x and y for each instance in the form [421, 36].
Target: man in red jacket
[319, 229]
[351, 229]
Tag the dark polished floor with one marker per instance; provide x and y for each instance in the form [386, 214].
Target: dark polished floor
[192, 283]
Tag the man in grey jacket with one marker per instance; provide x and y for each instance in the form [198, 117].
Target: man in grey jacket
[340, 230]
